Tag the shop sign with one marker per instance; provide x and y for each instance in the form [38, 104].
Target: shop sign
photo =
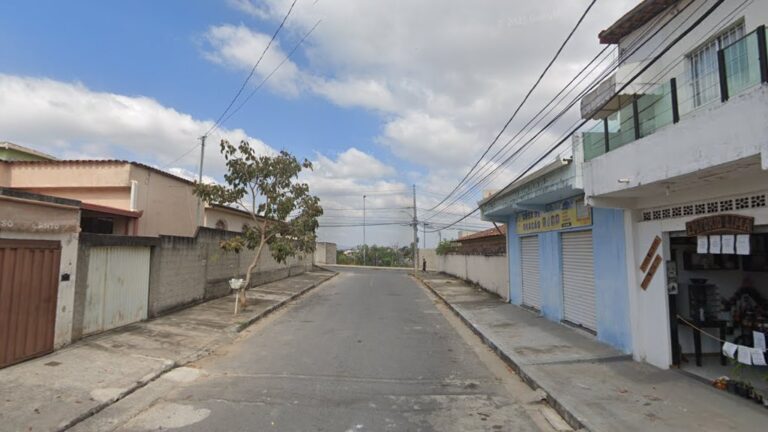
[720, 224]
[571, 213]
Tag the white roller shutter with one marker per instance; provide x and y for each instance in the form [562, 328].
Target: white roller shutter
[530, 265]
[579, 279]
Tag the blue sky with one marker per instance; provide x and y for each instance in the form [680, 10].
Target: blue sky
[381, 96]
[153, 48]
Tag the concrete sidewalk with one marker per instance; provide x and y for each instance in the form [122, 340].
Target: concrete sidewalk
[56, 391]
[592, 385]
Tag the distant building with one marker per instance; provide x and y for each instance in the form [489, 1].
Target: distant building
[492, 241]
[325, 253]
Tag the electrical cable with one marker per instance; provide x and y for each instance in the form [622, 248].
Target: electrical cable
[677, 39]
[253, 69]
[525, 99]
[597, 81]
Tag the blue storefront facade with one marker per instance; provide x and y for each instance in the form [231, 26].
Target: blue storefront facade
[567, 261]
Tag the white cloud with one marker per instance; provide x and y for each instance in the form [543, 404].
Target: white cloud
[69, 120]
[433, 141]
[360, 92]
[353, 164]
[238, 47]
[443, 75]
[258, 11]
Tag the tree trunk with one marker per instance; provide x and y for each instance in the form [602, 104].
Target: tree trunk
[247, 283]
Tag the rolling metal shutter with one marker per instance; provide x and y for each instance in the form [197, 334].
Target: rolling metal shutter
[530, 266]
[579, 279]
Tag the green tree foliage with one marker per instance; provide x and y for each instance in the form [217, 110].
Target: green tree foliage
[447, 246]
[268, 188]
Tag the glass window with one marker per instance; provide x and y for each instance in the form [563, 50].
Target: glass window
[705, 80]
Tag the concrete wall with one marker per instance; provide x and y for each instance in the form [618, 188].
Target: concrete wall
[611, 291]
[186, 270]
[325, 253]
[551, 275]
[490, 272]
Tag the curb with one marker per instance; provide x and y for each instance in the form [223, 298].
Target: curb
[237, 328]
[202, 352]
[570, 418]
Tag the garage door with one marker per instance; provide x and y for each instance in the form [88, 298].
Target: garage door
[530, 267]
[579, 279]
[29, 281]
[117, 287]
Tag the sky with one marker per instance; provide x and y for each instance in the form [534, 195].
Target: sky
[381, 96]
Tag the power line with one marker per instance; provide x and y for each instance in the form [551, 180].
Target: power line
[525, 99]
[253, 69]
[266, 78]
[217, 124]
[630, 50]
[666, 49]
[487, 178]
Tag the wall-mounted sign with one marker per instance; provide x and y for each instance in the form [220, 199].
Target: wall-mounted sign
[720, 224]
[651, 272]
[571, 213]
[651, 252]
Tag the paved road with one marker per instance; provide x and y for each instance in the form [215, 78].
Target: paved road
[368, 351]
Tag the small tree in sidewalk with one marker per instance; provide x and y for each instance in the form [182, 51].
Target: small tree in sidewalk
[267, 187]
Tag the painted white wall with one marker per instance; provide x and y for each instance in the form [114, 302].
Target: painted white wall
[712, 136]
[490, 272]
[650, 308]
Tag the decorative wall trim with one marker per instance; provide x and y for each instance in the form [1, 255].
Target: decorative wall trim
[707, 207]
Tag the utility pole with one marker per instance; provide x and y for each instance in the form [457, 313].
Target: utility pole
[439, 236]
[200, 180]
[424, 234]
[364, 245]
[415, 234]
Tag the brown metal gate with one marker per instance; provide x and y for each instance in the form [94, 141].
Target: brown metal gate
[29, 273]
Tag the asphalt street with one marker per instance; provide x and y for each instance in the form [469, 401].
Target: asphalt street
[369, 350]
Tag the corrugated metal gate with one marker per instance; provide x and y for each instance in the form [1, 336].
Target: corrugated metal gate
[29, 282]
[117, 287]
[530, 265]
[579, 279]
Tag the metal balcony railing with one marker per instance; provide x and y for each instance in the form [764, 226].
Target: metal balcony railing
[740, 66]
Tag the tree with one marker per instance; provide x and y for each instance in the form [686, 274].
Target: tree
[284, 213]
[446, 247]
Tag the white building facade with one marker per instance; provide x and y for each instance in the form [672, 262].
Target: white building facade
[684, 150]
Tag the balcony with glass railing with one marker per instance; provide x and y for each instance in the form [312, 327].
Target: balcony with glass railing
[741, 66]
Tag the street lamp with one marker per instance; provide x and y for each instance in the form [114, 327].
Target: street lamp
[364, 246]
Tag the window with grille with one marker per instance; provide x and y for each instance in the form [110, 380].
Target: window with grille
[705, 80]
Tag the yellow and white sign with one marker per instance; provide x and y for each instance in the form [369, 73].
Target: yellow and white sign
[571, 213]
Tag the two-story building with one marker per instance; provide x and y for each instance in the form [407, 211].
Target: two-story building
[684, 150]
